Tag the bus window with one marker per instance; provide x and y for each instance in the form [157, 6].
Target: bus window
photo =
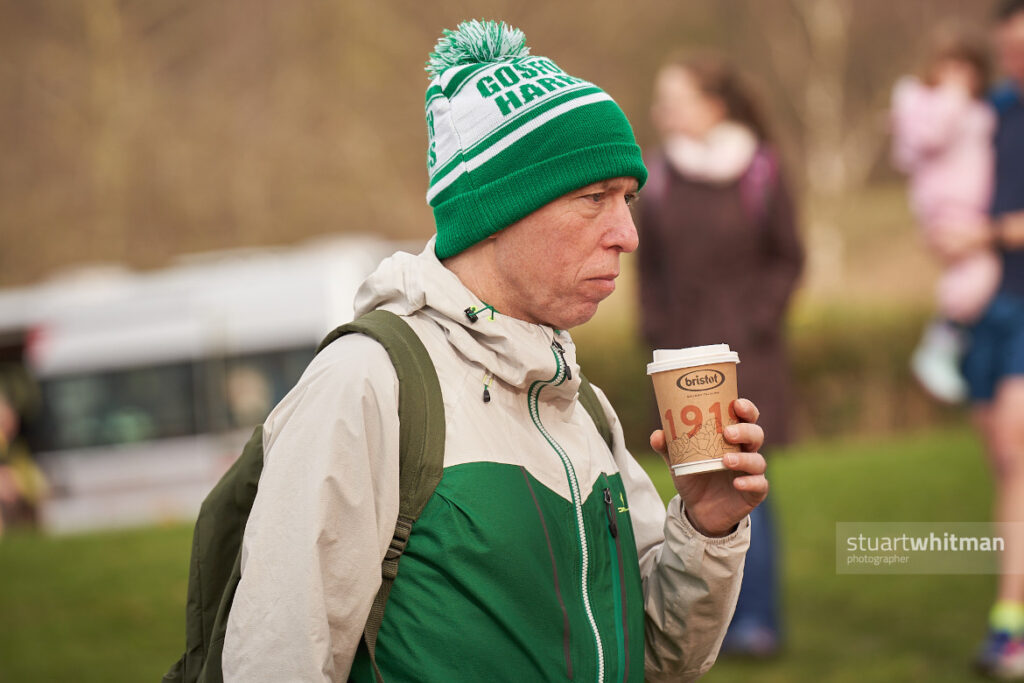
[255, 383]
[118, 407]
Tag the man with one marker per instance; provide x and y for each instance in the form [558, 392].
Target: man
[994, 363]
[542, 555]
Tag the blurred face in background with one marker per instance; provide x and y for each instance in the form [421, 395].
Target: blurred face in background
[680, 107]
[1010, 47]
[958, 74]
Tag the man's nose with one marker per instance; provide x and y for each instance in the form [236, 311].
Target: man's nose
[621, 233]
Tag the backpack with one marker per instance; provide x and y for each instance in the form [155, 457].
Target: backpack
[215, 564]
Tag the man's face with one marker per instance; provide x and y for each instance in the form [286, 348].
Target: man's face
[556, 265]
[1010, 47]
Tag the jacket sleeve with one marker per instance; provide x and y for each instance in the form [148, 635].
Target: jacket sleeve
[782, 258]
[690, 582]
[322, 519]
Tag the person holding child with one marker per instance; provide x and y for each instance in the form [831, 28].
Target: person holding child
[942, 129]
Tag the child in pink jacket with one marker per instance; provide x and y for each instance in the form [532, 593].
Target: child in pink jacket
[942, 138]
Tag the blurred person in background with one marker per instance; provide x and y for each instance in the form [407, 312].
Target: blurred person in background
[942, 130]
[719, 258]
[22, 484]
[994, 361]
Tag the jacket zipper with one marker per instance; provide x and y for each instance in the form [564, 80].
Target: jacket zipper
[618, 575]
[561, 352]
[533, 400]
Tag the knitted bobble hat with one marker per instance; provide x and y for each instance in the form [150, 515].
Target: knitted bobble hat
[510, 132]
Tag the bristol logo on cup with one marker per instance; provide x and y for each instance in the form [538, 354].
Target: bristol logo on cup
[700, 380]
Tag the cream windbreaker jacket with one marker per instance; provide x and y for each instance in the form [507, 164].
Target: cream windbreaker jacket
[541, 556]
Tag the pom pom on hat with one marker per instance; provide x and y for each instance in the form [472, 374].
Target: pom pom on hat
[475, 42]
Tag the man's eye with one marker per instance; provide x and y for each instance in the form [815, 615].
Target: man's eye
[595, 197]
[631, 197]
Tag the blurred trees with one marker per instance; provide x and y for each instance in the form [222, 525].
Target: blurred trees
[828, 67]
[133, 131]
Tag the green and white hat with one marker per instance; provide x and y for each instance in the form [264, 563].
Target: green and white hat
[510, 132]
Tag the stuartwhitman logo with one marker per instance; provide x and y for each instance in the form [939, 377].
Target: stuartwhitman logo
[920, 547]
[700, 380]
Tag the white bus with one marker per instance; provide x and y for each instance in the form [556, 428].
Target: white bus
[151, 382]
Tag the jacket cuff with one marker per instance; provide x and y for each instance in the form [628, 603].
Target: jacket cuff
[738, 539]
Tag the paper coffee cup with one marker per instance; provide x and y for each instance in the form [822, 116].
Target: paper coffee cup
[695, 389]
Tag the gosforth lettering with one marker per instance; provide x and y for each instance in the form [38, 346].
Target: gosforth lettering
[518, 83]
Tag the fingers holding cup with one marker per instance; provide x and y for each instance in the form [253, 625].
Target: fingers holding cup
[747, 435]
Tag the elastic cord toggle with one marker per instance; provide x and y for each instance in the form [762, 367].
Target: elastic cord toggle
[473, 313]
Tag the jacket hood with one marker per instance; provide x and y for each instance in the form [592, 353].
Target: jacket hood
[512, 350]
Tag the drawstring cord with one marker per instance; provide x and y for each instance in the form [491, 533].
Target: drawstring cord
[488, 378]
[473, 313]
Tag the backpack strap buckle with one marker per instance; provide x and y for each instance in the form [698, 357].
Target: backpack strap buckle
[399, 541]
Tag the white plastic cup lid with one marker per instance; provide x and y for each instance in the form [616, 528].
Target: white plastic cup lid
[673, 359]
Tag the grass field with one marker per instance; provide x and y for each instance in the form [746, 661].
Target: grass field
[109, 607]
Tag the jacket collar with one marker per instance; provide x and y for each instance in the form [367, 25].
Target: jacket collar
[514, 351]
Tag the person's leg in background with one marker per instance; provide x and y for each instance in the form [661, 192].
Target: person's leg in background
[1001, 423]
[755, 629]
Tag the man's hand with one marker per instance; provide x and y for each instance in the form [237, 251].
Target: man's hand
[715, 502]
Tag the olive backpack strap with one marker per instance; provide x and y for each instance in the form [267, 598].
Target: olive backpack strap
[420, 441]
[590, 403]
[215, 566]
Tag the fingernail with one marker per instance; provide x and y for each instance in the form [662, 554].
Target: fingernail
[732, 432]
[731, 459]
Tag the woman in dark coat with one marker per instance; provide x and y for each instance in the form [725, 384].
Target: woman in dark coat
[719, 258]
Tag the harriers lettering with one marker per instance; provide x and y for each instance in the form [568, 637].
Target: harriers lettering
[432, 150]
[507, 102]
[513, 85]
[530, 91]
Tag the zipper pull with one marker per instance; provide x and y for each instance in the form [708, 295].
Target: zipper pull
[610, 509]
[561, 352]
[487, 387]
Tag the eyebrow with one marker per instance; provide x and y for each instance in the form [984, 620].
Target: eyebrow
[612, 182]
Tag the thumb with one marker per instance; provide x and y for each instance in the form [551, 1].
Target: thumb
[659, 444]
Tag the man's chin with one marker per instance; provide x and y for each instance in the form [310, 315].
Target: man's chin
[575, 316]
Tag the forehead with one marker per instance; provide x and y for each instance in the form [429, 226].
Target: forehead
[674, 77]
[624, 184]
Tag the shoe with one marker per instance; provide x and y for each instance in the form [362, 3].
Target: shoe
[1001, 656]
[936, 363]
[750, 640]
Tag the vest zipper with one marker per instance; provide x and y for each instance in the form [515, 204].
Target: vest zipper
[619, 578]
[533, 401]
